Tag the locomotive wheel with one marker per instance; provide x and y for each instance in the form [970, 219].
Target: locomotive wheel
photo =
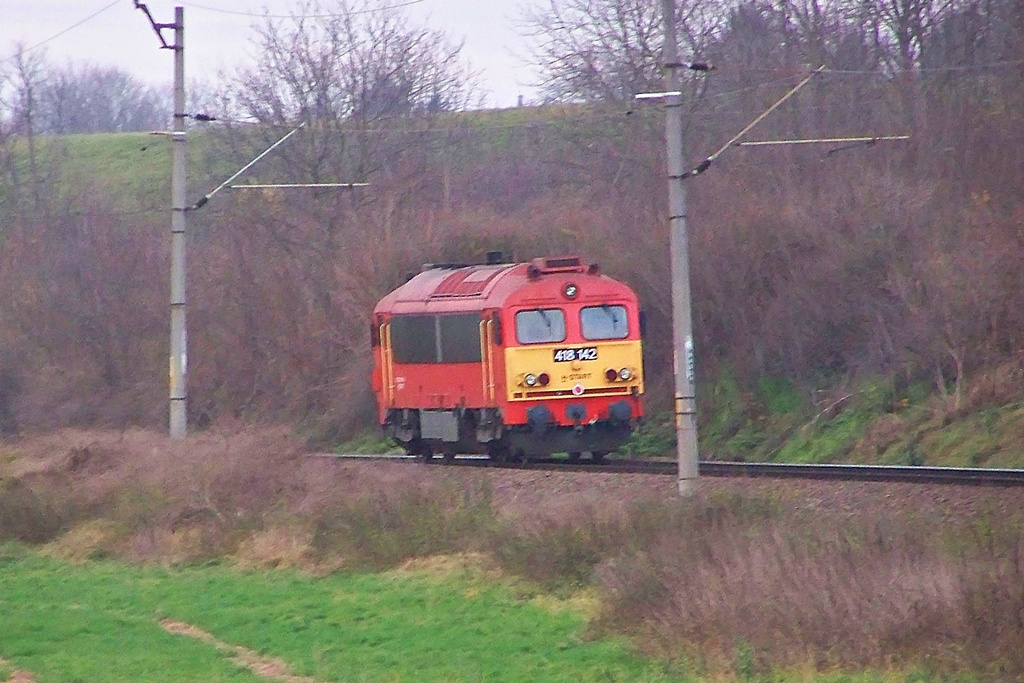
[574, 456]
[598, 456]
[449, 456]
[426, 453]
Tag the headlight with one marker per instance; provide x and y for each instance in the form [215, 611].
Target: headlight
[625, 375]
[531, 380]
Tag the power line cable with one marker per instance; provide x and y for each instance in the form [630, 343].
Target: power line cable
[579, 118]
[301, 16]
[468, 126]
[62, 32]
[208, 9]
[933, 69]
[704, 165]
[522, 124]
[877, 71]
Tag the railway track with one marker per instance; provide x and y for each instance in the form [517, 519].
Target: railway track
[961, 476]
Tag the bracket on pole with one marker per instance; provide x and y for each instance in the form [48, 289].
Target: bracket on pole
[157, 28]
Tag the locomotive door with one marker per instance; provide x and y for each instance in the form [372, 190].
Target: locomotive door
[487, 359]
[387, 368]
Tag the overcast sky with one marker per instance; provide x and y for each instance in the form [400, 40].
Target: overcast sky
[218, 36]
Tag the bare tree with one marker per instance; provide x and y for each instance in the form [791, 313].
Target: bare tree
[609, 50]
[335, 60]
[94, 99]
[8, 169]
[346, 68]
[902, 28]
[25, 80]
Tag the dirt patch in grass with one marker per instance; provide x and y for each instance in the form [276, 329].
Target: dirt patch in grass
[267, 667]
[18, 675]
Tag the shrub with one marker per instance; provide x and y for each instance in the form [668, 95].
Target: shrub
[560, 554]
[857, 593]
[779, 395]
[33, 511]
[383, 529]
[655, 438]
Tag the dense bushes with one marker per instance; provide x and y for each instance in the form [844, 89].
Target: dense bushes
[878, 262]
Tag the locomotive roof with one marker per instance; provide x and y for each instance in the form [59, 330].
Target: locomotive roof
[451, 288]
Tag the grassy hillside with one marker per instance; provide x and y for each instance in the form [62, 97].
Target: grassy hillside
[870, 423]
[134, 169]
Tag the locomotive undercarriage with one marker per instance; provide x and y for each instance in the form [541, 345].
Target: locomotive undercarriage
[427, 433]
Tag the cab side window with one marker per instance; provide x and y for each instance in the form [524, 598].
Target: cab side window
[453, 338]
[413, 339]
[604, 322]
[460, 338]
[540, 326]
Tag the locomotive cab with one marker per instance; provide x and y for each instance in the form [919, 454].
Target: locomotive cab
[509, 360]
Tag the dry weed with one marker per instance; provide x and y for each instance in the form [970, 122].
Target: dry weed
[466, 564]
[90, 540]
[276, 547]
[862, 593]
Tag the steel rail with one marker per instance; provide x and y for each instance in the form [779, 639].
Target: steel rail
[962, 476]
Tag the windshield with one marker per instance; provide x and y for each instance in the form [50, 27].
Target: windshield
[540, 326]
[604, 322]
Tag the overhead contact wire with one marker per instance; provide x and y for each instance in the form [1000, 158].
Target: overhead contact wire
[302, 16]
[69, 28]
[704, 165]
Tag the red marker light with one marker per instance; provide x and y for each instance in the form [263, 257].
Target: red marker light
[543, 379]
[611, 374]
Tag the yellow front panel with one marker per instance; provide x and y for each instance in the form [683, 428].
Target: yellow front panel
[577, 369]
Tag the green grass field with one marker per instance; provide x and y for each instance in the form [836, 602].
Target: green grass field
[101, 621]
[105, 621]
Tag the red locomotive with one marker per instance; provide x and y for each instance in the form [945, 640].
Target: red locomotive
[509, 359]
